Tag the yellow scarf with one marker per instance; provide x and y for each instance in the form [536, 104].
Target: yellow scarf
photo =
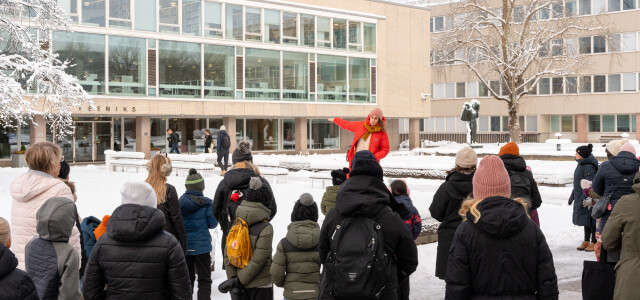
[370, 129]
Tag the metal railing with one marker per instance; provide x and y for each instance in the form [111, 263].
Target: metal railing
[482, 137]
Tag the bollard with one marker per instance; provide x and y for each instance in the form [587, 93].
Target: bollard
[559, 147]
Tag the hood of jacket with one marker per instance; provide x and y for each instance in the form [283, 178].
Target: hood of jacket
[56, 219]
[133, 223]
[238, 177]
[89, 224]
[8, 261]
[636, 183]
[362, 196]
[514, 162]
[32, 184]
[253, 212]
[457, 176]
[589, 160]
[500, 217]
[625, 162]
[193, 201]
[303, 234]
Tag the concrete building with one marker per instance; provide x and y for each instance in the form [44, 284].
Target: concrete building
[271, 71]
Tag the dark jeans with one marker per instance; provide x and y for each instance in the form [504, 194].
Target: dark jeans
[223, 154]
[590, 231]
[257, 294]
[174, 149]
[403, 290]
[202, 265]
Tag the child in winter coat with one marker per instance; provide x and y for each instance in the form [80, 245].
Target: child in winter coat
[51, 261]
[253, 281]
[296, 264]
[329, 197]
[198, 219]
[14, 283]
[102, 228]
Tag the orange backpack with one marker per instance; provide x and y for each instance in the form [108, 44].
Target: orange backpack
[239, 250]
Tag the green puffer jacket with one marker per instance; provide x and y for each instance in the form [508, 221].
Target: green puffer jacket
[257, 273]
[296, 265]
[329, 199]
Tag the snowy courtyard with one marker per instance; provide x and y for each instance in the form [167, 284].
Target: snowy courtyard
[98, 193]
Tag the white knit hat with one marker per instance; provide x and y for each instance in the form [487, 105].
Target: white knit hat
[466, 158]
[223, 127]
[138, 192]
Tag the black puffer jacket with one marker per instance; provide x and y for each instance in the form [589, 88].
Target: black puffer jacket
[136, 259]
[444, 208]
[173, 217]
[363, 195]
[502, 256]
[14, 283]
[514, 163]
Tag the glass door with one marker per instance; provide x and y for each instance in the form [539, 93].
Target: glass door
[103, 139]
[83, 139]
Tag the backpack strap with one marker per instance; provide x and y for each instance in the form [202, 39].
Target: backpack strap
[257, 228]
[288, 247]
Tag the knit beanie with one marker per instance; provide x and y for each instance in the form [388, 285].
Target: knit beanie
[140, 193]
[194, 181]
[466, 158]
[491, 179]
[365, 163]
[259, 191]
[223, 128]
[64, 170]
[510, 148]
[628, 148]
[614, 146]
[585, 151]
[242, 152]
[376, 112]
[339, 176]
[305, 209]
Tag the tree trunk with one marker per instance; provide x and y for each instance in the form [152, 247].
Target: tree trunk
[514, 122]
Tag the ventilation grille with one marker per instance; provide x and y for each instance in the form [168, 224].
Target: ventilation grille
[312, 77]
[239, 73]
[151, 63]
[373, 81]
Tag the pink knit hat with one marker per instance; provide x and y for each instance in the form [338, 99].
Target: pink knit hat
[491, 179]
[377, 112]
[629, 148]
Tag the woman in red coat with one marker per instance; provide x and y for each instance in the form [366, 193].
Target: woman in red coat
[370, 134]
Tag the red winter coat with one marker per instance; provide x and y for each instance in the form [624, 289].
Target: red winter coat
[378, 145]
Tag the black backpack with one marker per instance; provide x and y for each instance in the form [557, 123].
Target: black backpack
[356, 266]
[520, 185]
[226, 142]
[230, 206]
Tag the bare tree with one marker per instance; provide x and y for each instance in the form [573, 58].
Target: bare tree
[33, 80]
[515, 43]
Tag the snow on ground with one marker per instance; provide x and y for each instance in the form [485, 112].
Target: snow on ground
[99, 194]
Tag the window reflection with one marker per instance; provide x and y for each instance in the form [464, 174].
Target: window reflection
[219, 71]
[262, 74]
[85, 52]
[294, 75]
[179, 68]
[332, 81]
[127, 66]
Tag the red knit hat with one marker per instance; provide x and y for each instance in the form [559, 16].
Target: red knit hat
[491, 179]
[510, 148]
[377, 112]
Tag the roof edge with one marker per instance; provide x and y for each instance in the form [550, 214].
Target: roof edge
[401, 4]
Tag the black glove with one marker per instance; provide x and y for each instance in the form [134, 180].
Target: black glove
[236, 293]
[571, 199]
[230, 284]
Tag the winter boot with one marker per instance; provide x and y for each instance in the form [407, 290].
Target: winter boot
[584, 245]
[590, 247]
[222, 173]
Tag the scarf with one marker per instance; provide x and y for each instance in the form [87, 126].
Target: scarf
[370, 129]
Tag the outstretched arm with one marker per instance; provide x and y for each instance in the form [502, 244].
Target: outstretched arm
[347, 125]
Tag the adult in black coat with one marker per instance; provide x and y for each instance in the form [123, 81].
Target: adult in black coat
[514, 163]
[365, 194]
[14, 283]
[173, 216]
[208, 139]
[136, 259]
[498, 252]
[585, 170]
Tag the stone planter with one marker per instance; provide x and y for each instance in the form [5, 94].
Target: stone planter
[17, 161]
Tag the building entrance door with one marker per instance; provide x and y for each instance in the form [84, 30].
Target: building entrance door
[90, 140]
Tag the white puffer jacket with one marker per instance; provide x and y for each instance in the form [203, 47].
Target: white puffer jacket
[29, 192]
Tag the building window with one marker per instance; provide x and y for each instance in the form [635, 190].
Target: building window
[93, 13]
[599, 44]
[544, 87]
[615, 42]
[623, 123]
[168, 11]
[567, 123]
[557, 87]
[450, 90]
[556, 47]
[585, 7]
[599, 83]
[324, 33]
[369, 37]
[483, 91]
[158, 134]
[608, 123]
[288, 134]
[495, 123]
[308, 30]
[144, 20]
[472, 89]
[252, 19]
[594, 123]
[294, 75]
[191, 17]
[355, 40]
[585, 84]
[599, 6]
[555, 123]
[428, 125]
[179, 69]
[290, 28]
[272, 26]
[240, 130]
[629, 41]
[532, 123]
[460, 90]
[262, 74]
[628, 4]
[120, 14]
[483, 122]
[262, 134]
[359, 79]
[505, 123]
[614, 5]
[127, 66]
[212, 19]
[86, 54]
[571, 85]
[585, 45]
[332, 78]
[219, 75]
[323, 134]
[629, 82]
[438, 91]
[438, 24]
[571, 7]
[339, 34]
[440, 124]
[129, 134]
[70, 6]
[233, 21]
[614, 83]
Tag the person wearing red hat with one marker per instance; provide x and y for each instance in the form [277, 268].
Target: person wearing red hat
[497, 251]
[369, 135]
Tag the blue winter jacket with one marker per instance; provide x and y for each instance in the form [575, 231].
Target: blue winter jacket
[412, 220]
[615, 178]
[198, 219]
[88, 225]
[586, 169]
[219, 140]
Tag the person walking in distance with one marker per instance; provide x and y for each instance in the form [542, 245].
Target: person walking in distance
[174, 141]
[208, 141]
[223, 144]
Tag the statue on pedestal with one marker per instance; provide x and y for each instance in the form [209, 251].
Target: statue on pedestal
[469, 114]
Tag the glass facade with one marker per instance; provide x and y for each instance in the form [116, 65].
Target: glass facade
[323, 134]
[294, 76]
[144, 20]
[324, 33]
[262, 74]
[262, 134]
[86, 54]
[219, 73]
[339, 34]
[272, 26]
[359, 80]
[308, 30]
[120, 14]
[290, 28]
[179, 69]
[93, 13]
[191, 13]
[288, 134]
[252, 28]
[233, 16]
[331, 78]
[168, 12]
[127, 66]
[212, 19]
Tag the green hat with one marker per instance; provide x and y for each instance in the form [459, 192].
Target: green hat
[194, 181]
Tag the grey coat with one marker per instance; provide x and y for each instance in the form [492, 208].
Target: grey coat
[586, 169]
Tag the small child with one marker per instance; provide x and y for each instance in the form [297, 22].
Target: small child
[51, 261]
[254, 280]
[400, 192]
[14, 283]
[198, 219]
[329, 197]
[296, 264]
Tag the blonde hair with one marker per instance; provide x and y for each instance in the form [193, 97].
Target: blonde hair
[5, 232]
[471, 205]
[157, 177]
[43, 156]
